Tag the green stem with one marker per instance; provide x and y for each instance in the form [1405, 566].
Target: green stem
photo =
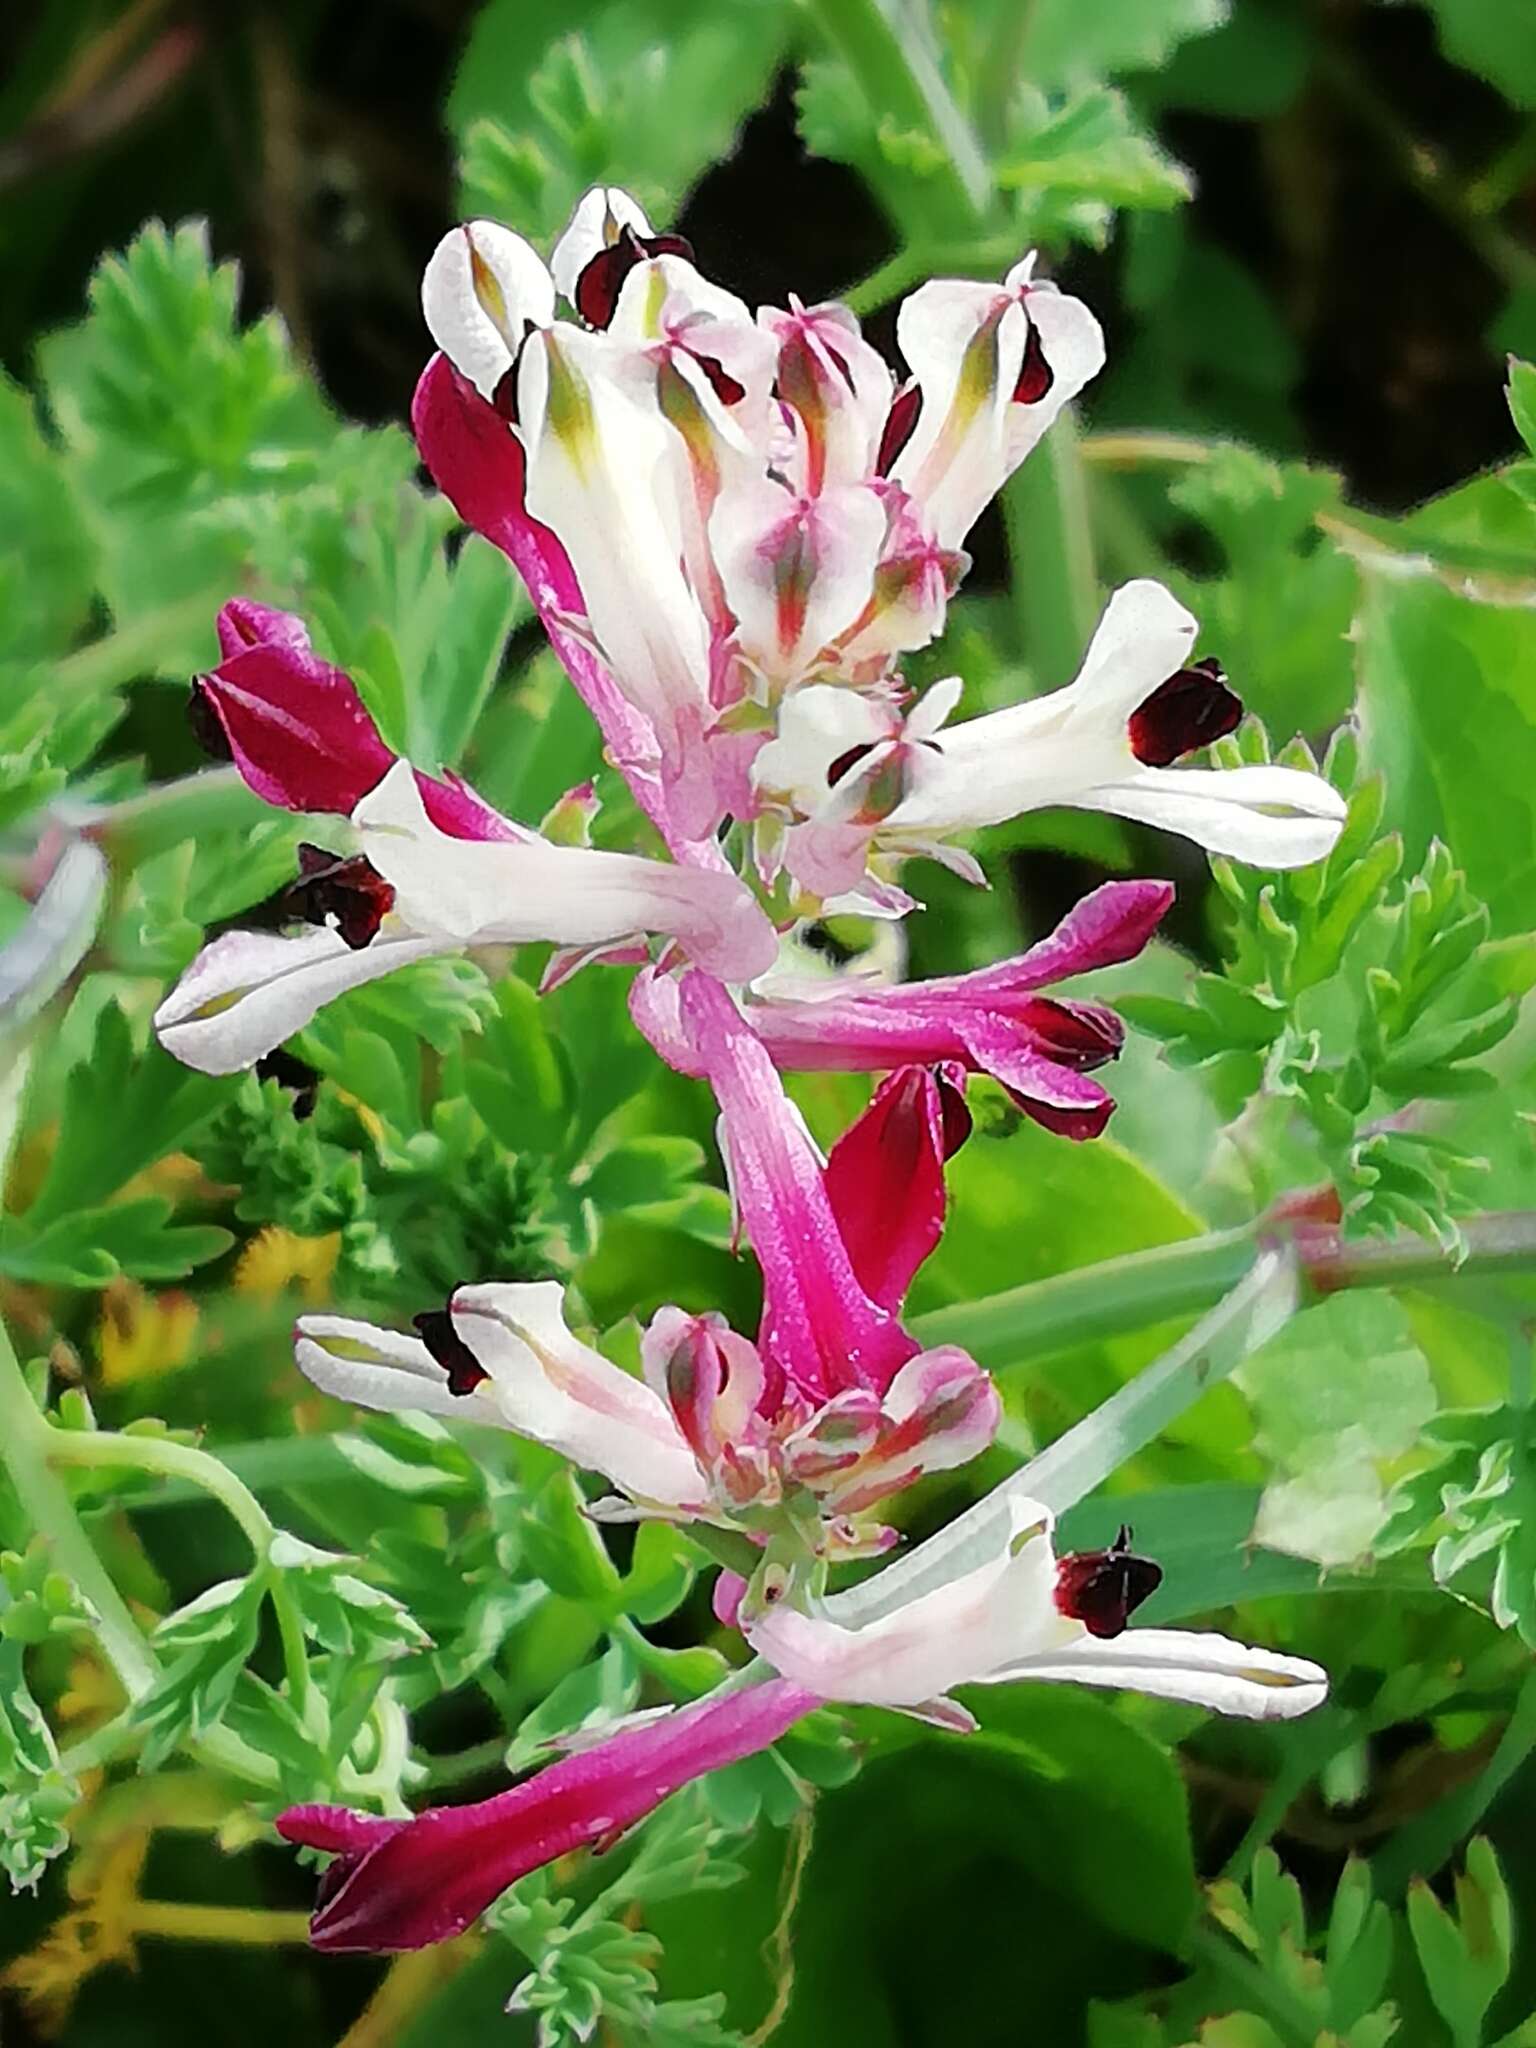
[124, 655]
[213, 800]
[1092, 1303]
[1050, 547]
[1260, 1992]
[45, 1501]
[197, 1468]
[919, 260]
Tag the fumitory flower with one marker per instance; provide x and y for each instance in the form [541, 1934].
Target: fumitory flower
[1020, 1614]
[993, 1021]
[858, 774]
[831, 1409]
[428, 867]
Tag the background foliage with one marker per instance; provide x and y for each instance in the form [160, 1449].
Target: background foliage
[1311, 230]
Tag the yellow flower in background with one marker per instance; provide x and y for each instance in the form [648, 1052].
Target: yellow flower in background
[142, 1336]
[277, 1258]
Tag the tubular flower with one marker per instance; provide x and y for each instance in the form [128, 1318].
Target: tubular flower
[1023, 1614]
[432, 869]
[857, 775]
[993, 1021]
[835, 1407]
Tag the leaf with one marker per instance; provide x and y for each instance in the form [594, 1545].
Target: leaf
[206, 1644]
[1339, 1394]
[1074, 164]
[36, 1793]
[1065, 44]
[1449, 688]
[1497, 41]
[1522, 401]
[549, 100]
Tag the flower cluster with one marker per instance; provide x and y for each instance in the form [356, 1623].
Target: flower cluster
[731, 528]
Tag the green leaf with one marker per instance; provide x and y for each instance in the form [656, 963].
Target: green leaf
[549, 100]
[1497, 41]
[1073, 165]
[1064, 44]
[1522, 401]
[1339, 1394]
[206, 1645]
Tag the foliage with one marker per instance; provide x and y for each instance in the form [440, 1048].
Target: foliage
[267, 1599]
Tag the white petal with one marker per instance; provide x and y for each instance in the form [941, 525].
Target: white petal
[1272, 817]
[817, 725]
[249, 991]
[482, 287]
[1144, 636]
[934, 708]
[594, 225]
[960, 1633]
[797, 571]
[1204, 1670]
[378, 1368]
[506, 892]
[601, 474]
[550, 1386]
[964, 343]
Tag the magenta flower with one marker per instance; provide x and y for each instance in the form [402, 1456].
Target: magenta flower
[993, 1021]
[430, 868]
[403, 1884]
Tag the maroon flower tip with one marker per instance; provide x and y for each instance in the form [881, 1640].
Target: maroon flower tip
[1076, 1035]
[435, 1328]
[1103, 1588]
[900, 423]
[350, 891]
[1190, 710]
[1079, 1121]
[599, 285]
[954, 1113]
[840, 767]
[1035, 374]
[207, 726]
[726, 388]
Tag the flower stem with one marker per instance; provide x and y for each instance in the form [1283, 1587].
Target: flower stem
[1050, 549]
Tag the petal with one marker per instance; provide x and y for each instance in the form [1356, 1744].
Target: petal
[1144, 636]
[1063, 1100]
[384, 1369]
[885, 1178]
[818, 725]
[550, 1386]
[296, 727]
[597, 217]
[483, 288]
[939, 1412]
[1175, 1664]
[797, 571]
[403, 1885]
[1271, 817]
[508, 893]
[249, 991]
[838, 389]
[1109, 925]
[598, 454]
[995, 1614]
[244, 623]
[819, 1326]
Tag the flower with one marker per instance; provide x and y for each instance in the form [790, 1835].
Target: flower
[856, 774]
[835, 1404]
[402, 1884]
[992, 1021]
[435, 869]
[1023, 1614]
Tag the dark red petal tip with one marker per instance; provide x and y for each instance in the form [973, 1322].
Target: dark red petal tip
[1035, 374]
[599, 285]
[207, 726]
[900, 423]
[1190, 710]
[435, 1328]
[725, 387]
[1103, 1588]
[351, 892]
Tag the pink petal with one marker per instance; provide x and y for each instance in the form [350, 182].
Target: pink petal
[819, 1325]
[402, 1885]
[885, 1177]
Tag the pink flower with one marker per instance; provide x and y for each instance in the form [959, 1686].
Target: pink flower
[402, 1884]
[992, 1021]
